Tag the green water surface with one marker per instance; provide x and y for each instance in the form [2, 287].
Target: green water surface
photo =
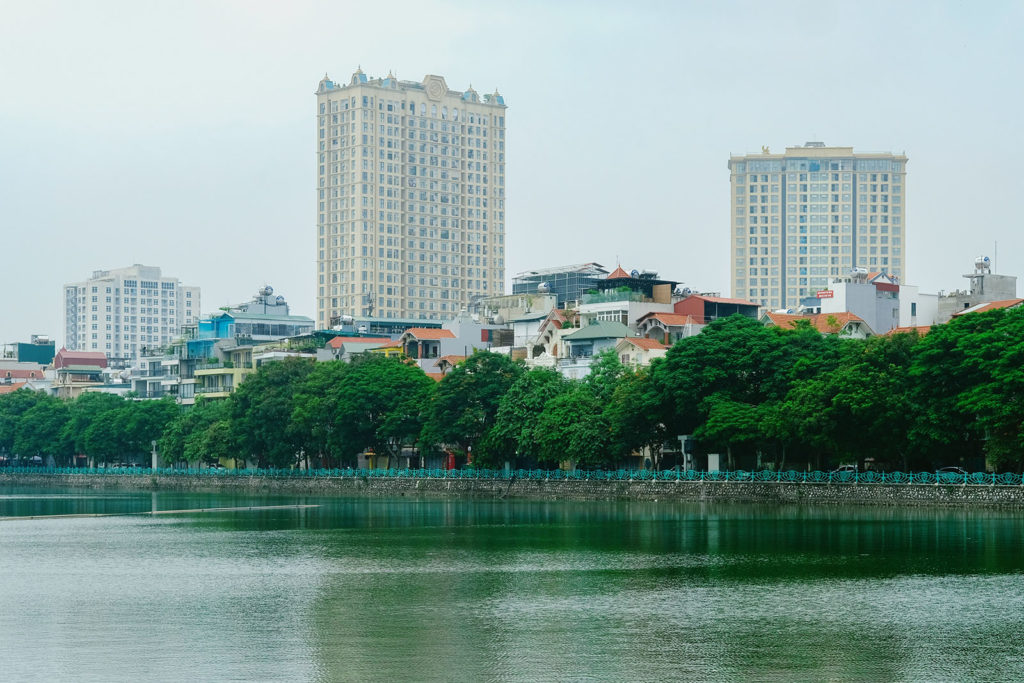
[384, 590]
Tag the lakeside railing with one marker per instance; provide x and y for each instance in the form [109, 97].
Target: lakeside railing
[762, 476]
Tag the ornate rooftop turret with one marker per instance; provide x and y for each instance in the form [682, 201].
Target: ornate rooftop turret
[325, 83]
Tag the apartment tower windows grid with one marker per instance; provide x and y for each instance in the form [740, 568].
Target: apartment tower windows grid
[814, 213]
[122, 311]
[410, 198]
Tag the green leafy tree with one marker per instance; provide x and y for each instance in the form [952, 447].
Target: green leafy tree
[382, 405]
[606, 370]
[633, 417]
[40, 431]
[971, 388]
[261, 413]
[947, 363]
[97, 412]
[573, 427]
[731, 424]
[515, 427]
[143, 422]
[315, 414]
[211, 444]
[179, 440]
[12, 407]
[466, 401]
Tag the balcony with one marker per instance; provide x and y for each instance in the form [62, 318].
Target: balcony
[214, 390]
[151, 394]
[612, 297]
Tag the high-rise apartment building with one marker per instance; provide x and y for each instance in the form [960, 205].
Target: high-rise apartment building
[410, 198]
[120, 312]
[813, 213]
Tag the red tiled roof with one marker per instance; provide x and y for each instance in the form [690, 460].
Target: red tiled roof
[425, 333]
[436, 376]
[11, 388]
[644, 343]
[920, 329]
[389, 345]
[992, 306]
[336, 342]
[617, 273]
[819, 321]
[65, 357]
[451, 359]
[21, 373]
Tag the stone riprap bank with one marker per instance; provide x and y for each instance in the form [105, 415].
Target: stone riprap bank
[386, 487]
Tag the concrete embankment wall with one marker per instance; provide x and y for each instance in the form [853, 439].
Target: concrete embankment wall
[752, 492]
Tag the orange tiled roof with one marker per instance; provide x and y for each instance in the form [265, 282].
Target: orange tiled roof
[672, 319]
[11, 388]
[389, 345]
[920, 329]
[617, 273]
[819, 321]
[436, 376]
[429, 333]
[644, 343]
[451, 359]
[992, 306]
[336, 342]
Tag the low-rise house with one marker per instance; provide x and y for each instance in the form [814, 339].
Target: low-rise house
[625, 297]
[446, 364]
[705, 308]
[668, 328]
[591, 340]
[344, 348]
[844, 324]
[221, 374]
[985, 287]
[639, 351]
[77, 371]
[422, 343]
[991, 306]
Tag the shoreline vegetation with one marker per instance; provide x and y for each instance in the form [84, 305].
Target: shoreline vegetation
[759, 398]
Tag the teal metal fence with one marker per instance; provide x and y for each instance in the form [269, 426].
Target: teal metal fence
[763, 476]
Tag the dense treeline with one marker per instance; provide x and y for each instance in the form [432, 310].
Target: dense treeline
[762, 397]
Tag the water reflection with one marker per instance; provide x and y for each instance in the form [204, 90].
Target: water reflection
[372, 589]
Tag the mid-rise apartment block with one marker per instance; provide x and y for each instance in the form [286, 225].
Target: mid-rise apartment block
[123, 311]
[410, 198]
[813, 213]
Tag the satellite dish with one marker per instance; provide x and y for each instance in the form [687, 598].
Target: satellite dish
[279, 299]
[544, 287]
[634, 273]
[268, 290]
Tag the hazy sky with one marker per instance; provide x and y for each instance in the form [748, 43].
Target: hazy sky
[181, 134]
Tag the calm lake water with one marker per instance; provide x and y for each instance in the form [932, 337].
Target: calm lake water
[507, 591]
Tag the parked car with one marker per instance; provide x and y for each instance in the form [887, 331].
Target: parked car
[845, 468]
[951, 470]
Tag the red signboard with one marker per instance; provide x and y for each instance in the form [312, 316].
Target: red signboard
[825, 294]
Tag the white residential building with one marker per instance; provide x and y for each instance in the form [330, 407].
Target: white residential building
[124, 311]
[410, 198]
[810, 214]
